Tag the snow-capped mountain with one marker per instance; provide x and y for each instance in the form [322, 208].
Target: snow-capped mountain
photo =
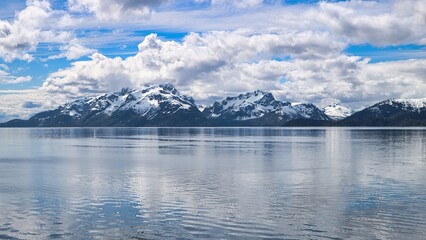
[247, 106]
[310, 111]
[391, 112]
[259, 108]
[411, 105]
[154, 100]
[153, 105]
[337, 112]
[163, 105]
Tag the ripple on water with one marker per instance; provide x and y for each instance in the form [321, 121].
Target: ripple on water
[212, 183]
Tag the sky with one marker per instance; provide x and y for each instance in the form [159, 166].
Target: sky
[353, 52]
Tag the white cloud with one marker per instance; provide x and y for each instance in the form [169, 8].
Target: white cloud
[219, 64]
[237, 3]
[29, 28]
[13, 103]
[7, 78]
[115, 9]
[406, 79]
[197, 58]
[378, 23]
[4, 66]
[72, 51]
[295, 51]
[234, 3]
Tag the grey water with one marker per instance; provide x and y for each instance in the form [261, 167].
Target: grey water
[218, 183]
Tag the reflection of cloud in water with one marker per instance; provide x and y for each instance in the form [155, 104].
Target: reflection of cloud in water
[212, 182]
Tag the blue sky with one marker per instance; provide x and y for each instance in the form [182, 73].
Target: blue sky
[318, 51]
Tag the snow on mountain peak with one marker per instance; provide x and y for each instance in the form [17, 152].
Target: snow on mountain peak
[249, 105]
[146, 101]
[258, 96]
[413, 105]
[309, 110]
[253, 105]
[337, 112]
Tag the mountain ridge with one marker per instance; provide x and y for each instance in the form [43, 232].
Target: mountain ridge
[150, 106]
[390, 112]
[259, 108]
[162, 105]
[337, 112]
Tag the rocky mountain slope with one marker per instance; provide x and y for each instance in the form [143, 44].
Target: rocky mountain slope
[391, 112]
[154, 105]
[259, 108]
[161, 105]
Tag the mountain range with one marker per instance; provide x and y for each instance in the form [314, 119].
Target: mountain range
[154, 105]
[391, 112]
[162, 105]
[259, 108]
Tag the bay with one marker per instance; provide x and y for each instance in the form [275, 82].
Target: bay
[218, 183]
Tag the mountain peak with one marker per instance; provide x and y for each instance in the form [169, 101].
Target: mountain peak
[391, 112]
[259, 104]
[126, 90]
[165, 86]
[245, 106]
[309, 111]
[154, 104]
[163, 105]
[253, 96]
[337, 112]
[413, 104]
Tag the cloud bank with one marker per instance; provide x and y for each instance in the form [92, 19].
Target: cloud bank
[304, 66]
[295, 51]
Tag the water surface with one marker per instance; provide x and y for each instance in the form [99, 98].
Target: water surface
[221, 183]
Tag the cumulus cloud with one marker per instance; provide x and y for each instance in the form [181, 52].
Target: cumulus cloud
[197, 58]
[302, 66]
[378, 23]
[295, 52]
[38, 23]
[22, 35]
[298, 67]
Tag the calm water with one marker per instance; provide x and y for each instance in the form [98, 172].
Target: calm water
[221, 183]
